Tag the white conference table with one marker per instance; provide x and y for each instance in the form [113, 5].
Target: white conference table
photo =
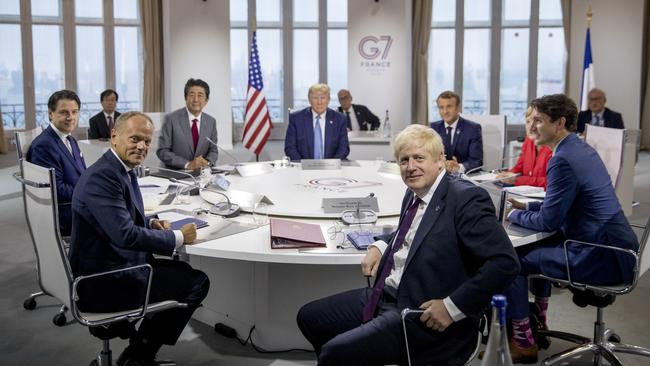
[252, 284]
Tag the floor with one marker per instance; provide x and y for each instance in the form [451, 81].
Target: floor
[30, 338]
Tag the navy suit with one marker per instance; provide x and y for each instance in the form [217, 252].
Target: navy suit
[47, 150]
[110, 231]
[459, 250]
[612, 119]
[299, 140]
[99, 126]
[367, 120]
[581, 204]
[467, 144]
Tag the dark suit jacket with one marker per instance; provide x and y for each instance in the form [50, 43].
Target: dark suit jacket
[99, 126]
[467, 144]
[175, 146]
[460, 250]
[612, 119]
[47, 150]
[299, 140]
[580, 202]
[109, 231]
[367, 120]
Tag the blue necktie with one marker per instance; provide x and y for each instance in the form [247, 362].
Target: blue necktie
[137, 196]
[318, 140]
[76, 154]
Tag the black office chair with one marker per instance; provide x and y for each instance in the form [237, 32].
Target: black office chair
[605, 342]
[55, 276]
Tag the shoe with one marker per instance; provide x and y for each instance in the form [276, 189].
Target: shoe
[128, 358]
[523, 355]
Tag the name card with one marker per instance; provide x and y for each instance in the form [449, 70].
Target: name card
[389, 168]
[338, 205]
[247, 170]
[322, 164]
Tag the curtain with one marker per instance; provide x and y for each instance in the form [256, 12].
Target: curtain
[153, 99]
[421, 32]
[566, 24]
[644, 124]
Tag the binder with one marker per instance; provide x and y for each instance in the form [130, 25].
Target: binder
[295, 234]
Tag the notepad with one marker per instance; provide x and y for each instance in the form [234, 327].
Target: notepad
[361, 239]
[176, 225]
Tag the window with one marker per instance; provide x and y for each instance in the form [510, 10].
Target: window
[106, 53]
[498, 62]
[300, 43]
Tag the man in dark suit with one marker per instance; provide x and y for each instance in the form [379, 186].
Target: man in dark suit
[598, 114]
[103, 122]
[448, 257]
[581, 204]
[57, 148]
[358, 117]
[462, 138]
[183, 141]
[110, 231]
[317, 132]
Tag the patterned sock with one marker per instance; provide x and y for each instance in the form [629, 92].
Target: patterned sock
[542, 306]
[521, 333]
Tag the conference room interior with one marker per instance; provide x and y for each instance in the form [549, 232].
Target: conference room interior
[30, 337]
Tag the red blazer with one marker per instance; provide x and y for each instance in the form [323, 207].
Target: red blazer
[532, 165]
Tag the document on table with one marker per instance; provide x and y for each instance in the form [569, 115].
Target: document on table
[527, 191]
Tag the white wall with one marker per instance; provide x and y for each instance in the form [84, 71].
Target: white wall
[197, 45]
[387, 85]
[616, 44]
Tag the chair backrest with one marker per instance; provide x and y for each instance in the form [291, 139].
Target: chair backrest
[644, 250]
[493, 128]
[157, 118]
[39, 197]
[24, 139]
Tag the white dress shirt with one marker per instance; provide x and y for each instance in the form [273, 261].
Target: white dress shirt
[63, 136]
[354, 122]
[192, 117]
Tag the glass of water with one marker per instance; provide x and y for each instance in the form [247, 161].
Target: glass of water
[261, 213]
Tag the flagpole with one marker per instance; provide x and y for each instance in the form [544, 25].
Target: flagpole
[254, 26]
[588, 79]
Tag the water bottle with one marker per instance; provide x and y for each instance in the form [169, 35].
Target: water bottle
[497, 351]
[386, 131]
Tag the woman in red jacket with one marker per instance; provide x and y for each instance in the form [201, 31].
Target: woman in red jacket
[532, 162]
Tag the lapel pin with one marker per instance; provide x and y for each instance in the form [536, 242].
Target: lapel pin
[437, 208]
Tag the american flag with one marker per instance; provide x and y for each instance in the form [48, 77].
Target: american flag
[257, 122]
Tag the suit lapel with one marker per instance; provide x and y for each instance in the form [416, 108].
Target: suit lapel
[63, 149]
[187, 131]
[431, 215]
[329, 131]
[309, 127]
[104, 126]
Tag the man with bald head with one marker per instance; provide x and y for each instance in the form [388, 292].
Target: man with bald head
[598, 114]
[110, 231]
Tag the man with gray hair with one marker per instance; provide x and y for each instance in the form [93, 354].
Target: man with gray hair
[598, 114]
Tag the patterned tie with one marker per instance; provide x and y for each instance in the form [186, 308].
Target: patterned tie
[369, 309]
[137, 196]
[318, 140]
[348, 120]
[447, 143]
[76, 154]
[596, 120]
[111, 124]
[195, 133]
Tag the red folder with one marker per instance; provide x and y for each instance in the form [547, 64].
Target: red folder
[295, 234]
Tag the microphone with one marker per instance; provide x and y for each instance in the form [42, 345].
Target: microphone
[172, 177]
[351, 217]
[228, 209]
[359, 204]
[237, 163]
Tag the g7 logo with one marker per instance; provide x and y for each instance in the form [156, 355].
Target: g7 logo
[370, 47]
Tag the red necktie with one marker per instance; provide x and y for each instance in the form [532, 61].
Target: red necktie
[369, 309]
[195, 132]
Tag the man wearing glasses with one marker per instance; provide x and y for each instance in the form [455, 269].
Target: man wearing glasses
[598, 114]
[317, 132]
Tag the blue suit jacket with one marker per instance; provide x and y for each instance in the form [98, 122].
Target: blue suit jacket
[47, 150]
[459, 250]
[580, 202]
[109, 231]
[467, 144]
[612, 119]
[299, 140]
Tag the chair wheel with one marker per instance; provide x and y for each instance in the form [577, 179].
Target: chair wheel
[29, 304]
[59, 320]
[614, 338]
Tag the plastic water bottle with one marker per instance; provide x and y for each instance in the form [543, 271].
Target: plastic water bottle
[497, 351]
[386, 131]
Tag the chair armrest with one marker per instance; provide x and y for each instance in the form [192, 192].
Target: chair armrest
[17, 176]
[75, 296]
[584, 286]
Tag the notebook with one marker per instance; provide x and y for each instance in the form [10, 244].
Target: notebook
[361, 239]
[295, 234]
[176, 225]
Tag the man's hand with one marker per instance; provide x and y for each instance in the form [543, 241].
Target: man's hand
[370, 262]
[517, 204]
[160, 224]
[435, 315]
[198, 163]
[189, 233]
[452, 165]
[507, 177]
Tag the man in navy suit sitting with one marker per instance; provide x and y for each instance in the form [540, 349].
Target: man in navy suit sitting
[317, 132]
[598, 114]
[358, 117]
[462, 138]
[580, 204]
[57, 148]
[448, 257]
